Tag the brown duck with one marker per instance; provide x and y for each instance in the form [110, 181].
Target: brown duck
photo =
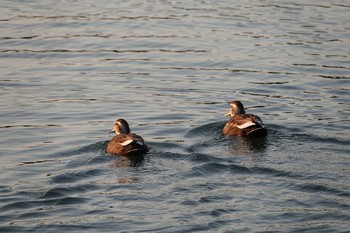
[242, 124]
[125, 142]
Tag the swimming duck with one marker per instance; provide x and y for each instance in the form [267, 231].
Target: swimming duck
[125, 142]
[242, 124]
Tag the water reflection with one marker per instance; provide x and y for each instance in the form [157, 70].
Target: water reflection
[247, 146]
[127, 161]
[127, 180]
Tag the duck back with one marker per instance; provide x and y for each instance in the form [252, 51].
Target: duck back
[245, 125]
[127, 144]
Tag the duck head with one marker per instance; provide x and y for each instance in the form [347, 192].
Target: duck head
[236, 108]
[121, 126]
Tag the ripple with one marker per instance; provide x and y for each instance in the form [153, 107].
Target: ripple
[58, 192]
[73, 177]
[316, 188]
[103, 50]
[31, 126]
[335, 77]
[215, 167]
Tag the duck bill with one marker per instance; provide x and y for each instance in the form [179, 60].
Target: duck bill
[227, 114]
[112, 131]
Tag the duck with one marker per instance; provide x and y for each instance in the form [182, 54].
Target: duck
[242, 124]
[125, 143]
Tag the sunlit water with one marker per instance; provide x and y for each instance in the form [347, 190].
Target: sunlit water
[69, 69]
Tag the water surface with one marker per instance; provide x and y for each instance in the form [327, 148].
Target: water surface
[69, 69]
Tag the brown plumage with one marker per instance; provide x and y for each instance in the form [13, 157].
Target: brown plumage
[242, 124]
[125, 143]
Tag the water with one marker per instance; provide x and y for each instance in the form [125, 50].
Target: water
[69, 69]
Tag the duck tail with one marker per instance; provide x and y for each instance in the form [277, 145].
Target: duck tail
[256, 132]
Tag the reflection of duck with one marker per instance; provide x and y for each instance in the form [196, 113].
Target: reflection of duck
[242, 124]
[127, 161]
[126, 143]
[247, 146]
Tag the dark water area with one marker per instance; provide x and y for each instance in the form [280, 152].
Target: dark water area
[69, 69]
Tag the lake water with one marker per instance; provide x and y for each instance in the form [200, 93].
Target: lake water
[170, 68]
